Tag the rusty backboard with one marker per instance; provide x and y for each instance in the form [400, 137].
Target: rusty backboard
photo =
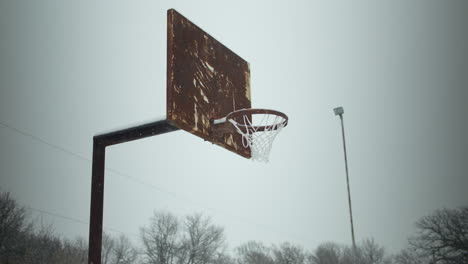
[205, 81]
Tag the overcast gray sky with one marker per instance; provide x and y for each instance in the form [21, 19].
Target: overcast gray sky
[72, 69]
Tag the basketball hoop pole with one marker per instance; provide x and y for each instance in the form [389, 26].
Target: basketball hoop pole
[100, 142]
[339, 111]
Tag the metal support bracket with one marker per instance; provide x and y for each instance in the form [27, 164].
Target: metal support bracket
[100, 142]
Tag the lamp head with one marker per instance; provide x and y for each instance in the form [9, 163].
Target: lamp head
[338, 110]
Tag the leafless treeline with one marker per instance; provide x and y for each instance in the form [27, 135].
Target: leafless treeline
[22, 242]
[441, 238]
[192, 240]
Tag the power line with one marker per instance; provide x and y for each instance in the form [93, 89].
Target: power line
[75, 220]
[148, 185]
[46, 143]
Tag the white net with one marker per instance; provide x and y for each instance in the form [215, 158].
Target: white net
[258, 132]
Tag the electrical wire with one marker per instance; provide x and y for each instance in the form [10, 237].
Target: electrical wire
[146, 184]
[76, 220]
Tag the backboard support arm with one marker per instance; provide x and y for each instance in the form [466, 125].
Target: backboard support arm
[100, 142]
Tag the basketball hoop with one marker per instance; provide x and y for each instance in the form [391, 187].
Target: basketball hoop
[258, 128]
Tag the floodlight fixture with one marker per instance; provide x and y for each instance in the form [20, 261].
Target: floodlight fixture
[338, 110]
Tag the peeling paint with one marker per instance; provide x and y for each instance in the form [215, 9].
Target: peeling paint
[195, 116]
[229, 140]
[209, 67]
[204, 96]
[202, 85]
[204, 79]
[206, 122]
[247, 83]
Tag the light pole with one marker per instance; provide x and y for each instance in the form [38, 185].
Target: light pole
[340, 111]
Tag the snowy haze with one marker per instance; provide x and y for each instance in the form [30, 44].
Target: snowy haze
[72, 69]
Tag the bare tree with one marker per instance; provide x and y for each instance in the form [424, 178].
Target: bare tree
[106, 248]
[124, 252]
[254, 252]
[43, 246]
[202, 240]
[443, 236]
[371, 253]
[350, 255]
[408, 256]
[75, 252]
[222, 258]
[327, 253]
[287, 253]
[198, 242]
[22, 242]
[161, 239]
[368, 252]
[13, 229]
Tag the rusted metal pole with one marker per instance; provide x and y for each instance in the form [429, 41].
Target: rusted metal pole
[97, 199]
[100, 142]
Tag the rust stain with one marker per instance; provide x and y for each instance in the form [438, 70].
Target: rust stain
[204, 78]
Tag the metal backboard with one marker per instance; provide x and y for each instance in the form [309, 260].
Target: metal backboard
[205, 81]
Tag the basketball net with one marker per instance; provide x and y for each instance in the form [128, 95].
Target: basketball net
[259, 133]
